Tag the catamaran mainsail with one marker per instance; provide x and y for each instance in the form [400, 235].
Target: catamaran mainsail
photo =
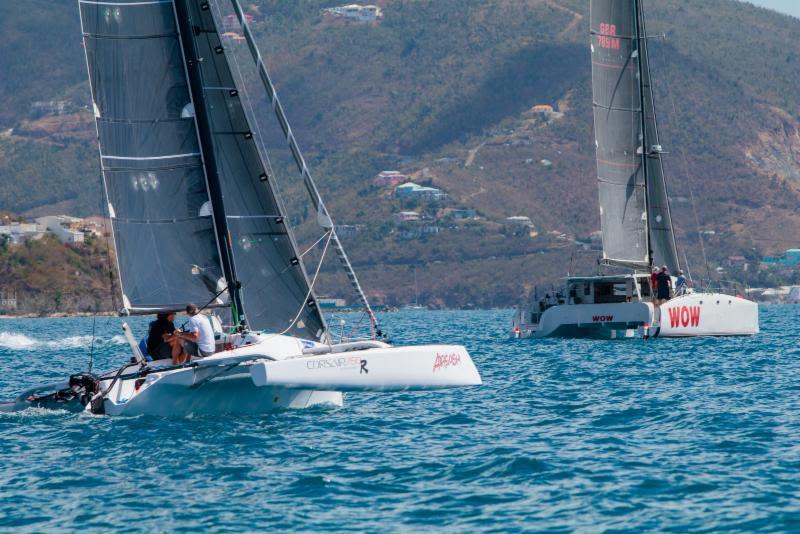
[635, 214]
[196, 218]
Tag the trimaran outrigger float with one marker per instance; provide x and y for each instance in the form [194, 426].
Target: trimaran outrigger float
[635, 214]
[196, 218]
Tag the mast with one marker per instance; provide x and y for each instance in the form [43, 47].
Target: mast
[192, 61]
[645, 149]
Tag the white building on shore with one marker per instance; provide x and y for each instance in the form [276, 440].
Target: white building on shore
[356, 12]
[18, 233]
[65, 228]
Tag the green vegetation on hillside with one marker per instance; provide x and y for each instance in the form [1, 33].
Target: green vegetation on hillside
[441, 82]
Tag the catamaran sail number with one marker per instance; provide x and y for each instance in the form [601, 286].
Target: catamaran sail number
[606, 38]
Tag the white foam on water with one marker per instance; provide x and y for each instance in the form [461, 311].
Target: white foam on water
[10, 340]
[14, 341]
[118, 340]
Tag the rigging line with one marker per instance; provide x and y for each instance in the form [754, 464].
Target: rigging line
[91, 349]
[311, 186]
[246, 95]
[315, 244]
[685, 168]
[310, 289]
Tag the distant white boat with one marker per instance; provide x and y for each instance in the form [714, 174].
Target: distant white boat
[634, 211]
[196, 219]
[416, 306]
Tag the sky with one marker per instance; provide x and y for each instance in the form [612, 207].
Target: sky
[790, 7]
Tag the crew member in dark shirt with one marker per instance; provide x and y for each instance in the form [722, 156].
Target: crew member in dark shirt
[664, 285]
[159, 337]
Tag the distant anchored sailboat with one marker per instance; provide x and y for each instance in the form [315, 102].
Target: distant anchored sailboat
[416, 305]
[196, 219]
[634, 211]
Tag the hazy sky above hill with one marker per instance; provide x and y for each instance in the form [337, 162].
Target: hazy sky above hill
[790, 7]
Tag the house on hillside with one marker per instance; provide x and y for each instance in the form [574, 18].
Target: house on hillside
[520, 221]
[233, 37]
[67, 229]
[355, 13]
[349, 231]
[51, 107]
[17, 233]
[790, 258]
[412, 191]
[407, 216]
[230, 23]
[389, 179]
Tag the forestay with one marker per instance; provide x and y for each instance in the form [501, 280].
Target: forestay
[275, 290]
[150, 154]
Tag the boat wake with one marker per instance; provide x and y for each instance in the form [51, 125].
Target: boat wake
[15, 341]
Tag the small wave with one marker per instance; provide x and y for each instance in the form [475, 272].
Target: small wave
[119, 339]
[14, 341]
[9, 340]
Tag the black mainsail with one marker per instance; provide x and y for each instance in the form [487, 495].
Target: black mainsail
[634, 208]
[151, 158]
[193, 207]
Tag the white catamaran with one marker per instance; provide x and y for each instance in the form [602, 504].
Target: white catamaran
[196, 218]
[634, 210]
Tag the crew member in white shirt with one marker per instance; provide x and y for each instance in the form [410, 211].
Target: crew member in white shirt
[198, 339]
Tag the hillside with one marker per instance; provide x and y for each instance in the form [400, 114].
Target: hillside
[443, 91]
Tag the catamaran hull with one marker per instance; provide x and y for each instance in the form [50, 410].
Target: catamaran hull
[706, 314]
[691, 315]
[592, 321]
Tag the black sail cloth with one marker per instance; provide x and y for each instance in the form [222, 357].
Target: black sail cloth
[635, 218]
[275, 289]
[150, 154]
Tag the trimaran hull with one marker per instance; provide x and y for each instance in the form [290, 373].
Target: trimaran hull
[261, 374]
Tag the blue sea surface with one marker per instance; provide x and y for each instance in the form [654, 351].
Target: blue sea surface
[670, 434]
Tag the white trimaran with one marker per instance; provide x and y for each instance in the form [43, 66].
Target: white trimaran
[634, 210]
[196, 218]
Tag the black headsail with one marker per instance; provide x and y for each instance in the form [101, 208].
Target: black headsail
[633, 203]
[662, 234]
[275, 291]
[151, 157]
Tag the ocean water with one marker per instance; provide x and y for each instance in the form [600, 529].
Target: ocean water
[695, 434]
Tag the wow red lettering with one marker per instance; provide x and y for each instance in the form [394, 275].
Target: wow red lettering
[674, 317]
[602, 318]
[684, 316]
[694, 318]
